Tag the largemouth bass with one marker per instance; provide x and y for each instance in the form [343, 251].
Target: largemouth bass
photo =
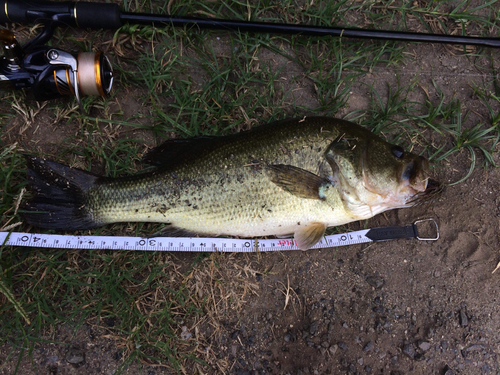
[290, 177]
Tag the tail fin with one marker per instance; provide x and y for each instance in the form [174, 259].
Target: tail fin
[59, 200]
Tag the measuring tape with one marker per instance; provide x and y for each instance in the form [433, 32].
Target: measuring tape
[195, 244]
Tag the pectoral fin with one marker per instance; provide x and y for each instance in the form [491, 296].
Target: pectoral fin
[309, 235]
[297, 181]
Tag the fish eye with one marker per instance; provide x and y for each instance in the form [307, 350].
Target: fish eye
[397, 151]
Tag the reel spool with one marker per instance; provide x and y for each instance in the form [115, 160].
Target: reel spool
[94, 74]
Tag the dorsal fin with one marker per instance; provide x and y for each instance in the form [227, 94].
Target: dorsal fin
[175, 151]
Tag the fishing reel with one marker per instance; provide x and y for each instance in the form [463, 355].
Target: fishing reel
[51, 73]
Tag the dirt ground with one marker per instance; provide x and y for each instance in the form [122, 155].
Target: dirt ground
[397, 307]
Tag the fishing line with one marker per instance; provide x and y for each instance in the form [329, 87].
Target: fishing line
[435, 75]
[224, 245]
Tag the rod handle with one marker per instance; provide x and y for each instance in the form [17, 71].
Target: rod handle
[77, 14]
[98, 15]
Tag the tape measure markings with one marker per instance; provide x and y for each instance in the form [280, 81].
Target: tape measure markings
[195, 244]
[191, 244]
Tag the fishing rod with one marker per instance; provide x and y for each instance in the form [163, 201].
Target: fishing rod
[64, 77]
[109, 16]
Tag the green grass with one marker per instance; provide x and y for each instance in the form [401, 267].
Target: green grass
[187, 82]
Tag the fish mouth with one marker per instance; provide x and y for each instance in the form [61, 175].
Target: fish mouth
[429, 195]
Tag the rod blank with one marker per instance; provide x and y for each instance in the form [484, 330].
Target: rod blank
[281, 28]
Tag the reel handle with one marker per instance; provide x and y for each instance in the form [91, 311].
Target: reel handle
[78, 14]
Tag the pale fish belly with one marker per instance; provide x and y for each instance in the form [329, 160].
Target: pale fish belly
[278, 213]
[288, 220]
